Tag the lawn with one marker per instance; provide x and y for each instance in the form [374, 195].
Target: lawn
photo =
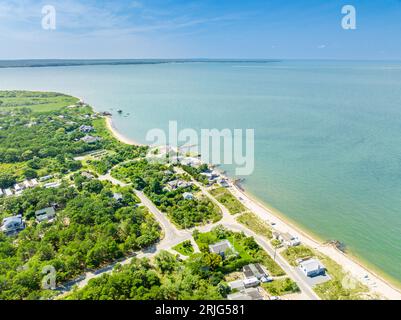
[36, 101]
[281, 287]
[185, 248]
[226, 198]
[255, 224]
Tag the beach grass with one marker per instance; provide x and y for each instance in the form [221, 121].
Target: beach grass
[341, 286]
[281, 287]
[227, 199]
[292, 254]
[257, 225]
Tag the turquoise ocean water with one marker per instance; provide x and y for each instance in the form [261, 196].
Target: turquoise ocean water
[328, 134]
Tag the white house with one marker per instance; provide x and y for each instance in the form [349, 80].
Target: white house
[287, 239]
[8, 192]
[188, 196]
[52, 185]
[18, 187]
[27, 184]
[1, 193]
[251, 282]
[237, 285]
[312, 268]
[45, 178]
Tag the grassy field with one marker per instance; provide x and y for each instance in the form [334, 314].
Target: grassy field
[340, 287]
[281, 287]
[291, 254]
[15, 169]
[36, 101]
[228, 200]
[185, 248]
[256, 224]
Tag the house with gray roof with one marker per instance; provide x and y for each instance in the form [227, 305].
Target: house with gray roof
[224, 248]
[12, 225]
[46, 214]
[89, 139]
[247, 294]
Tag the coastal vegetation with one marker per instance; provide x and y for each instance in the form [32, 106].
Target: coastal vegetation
[91, 229]
[340, 287]
[153, 179]
[226, 198]
[40, 136]
[34, 142]
[185, 248]
[163, 278]
[60, 139]
[247, 248]
[280, 287]
[257, 225]
[292, 254]
[196, 173]
[35, 101]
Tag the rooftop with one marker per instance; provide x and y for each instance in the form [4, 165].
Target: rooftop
[221, 247]
[311, 265]
[45, 214]
[247, 294]
[253, 270]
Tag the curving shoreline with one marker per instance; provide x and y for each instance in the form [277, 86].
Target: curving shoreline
[350, 264]
[116, 134]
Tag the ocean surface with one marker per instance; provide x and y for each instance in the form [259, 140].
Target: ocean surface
[328, 133]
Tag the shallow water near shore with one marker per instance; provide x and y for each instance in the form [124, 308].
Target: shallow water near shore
[328, 134]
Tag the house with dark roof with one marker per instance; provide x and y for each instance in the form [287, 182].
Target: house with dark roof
[254, 271]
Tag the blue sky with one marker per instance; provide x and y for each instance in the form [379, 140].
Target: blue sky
[292, 29]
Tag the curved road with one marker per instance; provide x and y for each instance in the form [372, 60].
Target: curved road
[173, 236]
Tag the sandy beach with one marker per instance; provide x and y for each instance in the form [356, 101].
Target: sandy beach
[117, 134]
[357, 271]
[375, 282]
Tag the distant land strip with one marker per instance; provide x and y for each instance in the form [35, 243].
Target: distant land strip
[71, 63]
